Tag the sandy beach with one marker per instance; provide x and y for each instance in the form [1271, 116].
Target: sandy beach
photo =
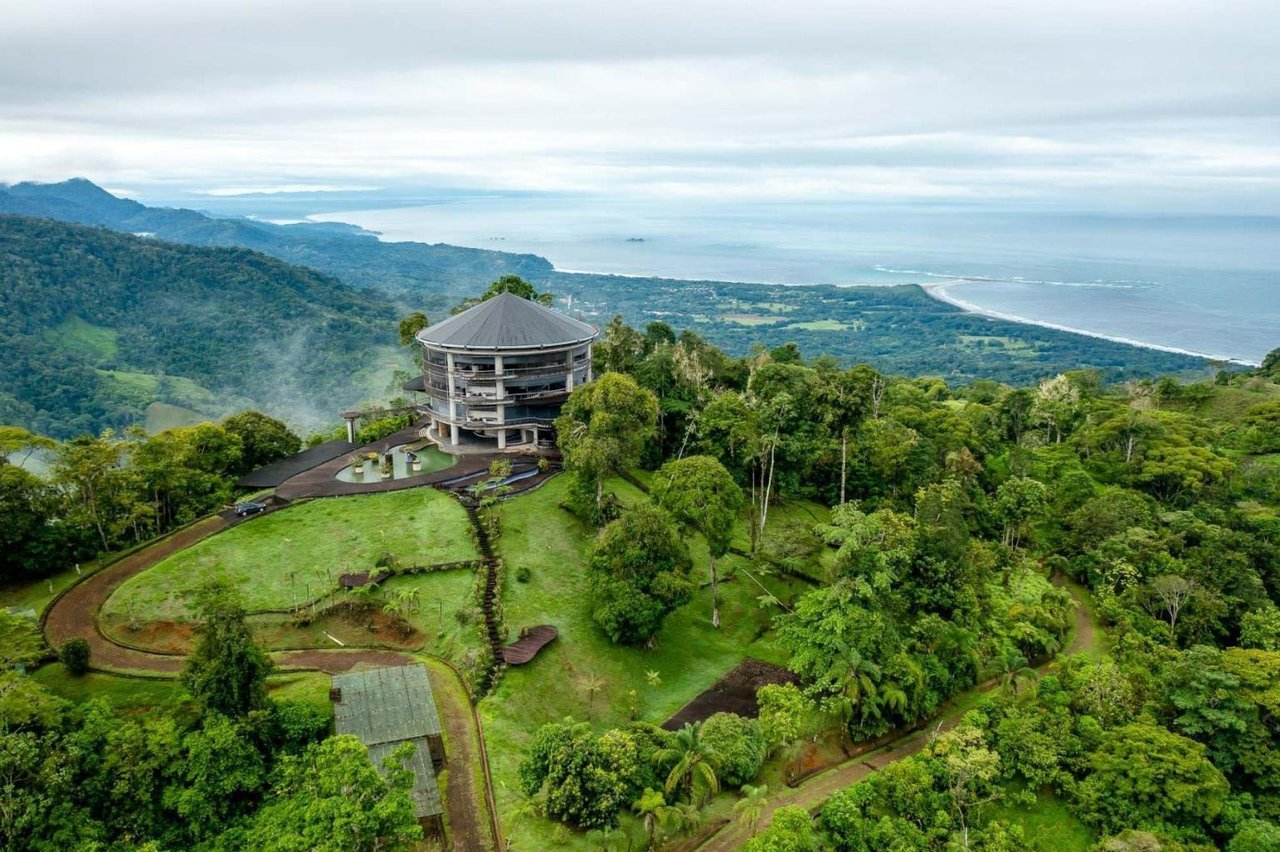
[942, 292]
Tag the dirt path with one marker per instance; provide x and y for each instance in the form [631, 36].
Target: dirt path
[470, 826]
[75, 614]
[813, 792]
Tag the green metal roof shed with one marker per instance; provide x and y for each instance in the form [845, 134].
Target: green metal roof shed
[390, 706]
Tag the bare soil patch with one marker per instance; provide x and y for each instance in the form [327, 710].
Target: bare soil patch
[733, 693]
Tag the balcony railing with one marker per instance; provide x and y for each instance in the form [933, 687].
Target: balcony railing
[514, 423]
[435, 371]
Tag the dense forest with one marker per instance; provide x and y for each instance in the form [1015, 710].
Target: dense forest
[96, 325]
[438, 275]
[959, 515]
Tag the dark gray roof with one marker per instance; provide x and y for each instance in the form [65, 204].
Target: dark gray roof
[278, 471]
[506, 322]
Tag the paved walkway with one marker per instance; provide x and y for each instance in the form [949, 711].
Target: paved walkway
[322, 480]
[811, 793]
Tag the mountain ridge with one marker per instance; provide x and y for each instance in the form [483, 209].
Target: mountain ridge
[97, 325]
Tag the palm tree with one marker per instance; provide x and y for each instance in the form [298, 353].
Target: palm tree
[411, 598]
[1014, 667]
[594, 684]
[526, 809]
[751, 806]
[893, 697]
[366, 593]
[608, 839]
[694, 761]
[650, 807]
[680, 817]
[855, 677]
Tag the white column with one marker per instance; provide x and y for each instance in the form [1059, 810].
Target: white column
[568, 361]
[351, 431]
[453, 404]
[502, 438]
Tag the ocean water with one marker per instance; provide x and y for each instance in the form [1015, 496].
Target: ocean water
[1203, 284]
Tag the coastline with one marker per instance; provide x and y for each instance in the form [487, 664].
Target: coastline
[939, 291]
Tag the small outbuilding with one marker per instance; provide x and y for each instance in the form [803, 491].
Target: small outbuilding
[386, 708]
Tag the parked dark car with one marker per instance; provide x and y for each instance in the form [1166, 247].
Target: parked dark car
[249, 507]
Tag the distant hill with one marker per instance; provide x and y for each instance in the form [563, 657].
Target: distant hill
[896, 329]
[438, 276]
[97, 327]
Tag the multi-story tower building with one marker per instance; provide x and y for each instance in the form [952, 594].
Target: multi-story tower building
[496, 374]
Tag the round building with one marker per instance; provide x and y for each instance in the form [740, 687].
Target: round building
[495, 375]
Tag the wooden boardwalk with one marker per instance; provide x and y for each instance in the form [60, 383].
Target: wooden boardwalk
[531, 641]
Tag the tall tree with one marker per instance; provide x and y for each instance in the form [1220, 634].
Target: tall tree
[639, 573]
[693, 763]
[227, 671]
[102, 492]
[411, 325]
[330, 798]
[603, 427]
[263, 439]
[702, 496]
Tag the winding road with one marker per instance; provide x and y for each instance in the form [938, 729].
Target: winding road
[74, 614]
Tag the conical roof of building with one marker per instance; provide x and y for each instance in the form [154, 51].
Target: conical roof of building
[507, 322]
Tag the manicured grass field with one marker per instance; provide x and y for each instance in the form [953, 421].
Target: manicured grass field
[441, 594]
[288, 557]
[751, 320]
[37, 594]
[582, 674]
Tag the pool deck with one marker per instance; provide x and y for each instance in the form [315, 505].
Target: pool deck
[322, 480]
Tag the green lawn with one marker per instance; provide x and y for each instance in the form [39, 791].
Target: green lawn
[295, 555]
[138, 695]
[751, 320]
[1047, 825]
[690, 656]
[441, 594]
[35, 595]
[127, 695]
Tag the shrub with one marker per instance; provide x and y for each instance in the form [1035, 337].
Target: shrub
[74, 654]
[523, 574]
[740, 745]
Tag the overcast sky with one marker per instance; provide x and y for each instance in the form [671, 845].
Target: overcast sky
[1124, 103]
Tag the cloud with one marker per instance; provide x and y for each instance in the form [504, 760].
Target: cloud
[1155, 103]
